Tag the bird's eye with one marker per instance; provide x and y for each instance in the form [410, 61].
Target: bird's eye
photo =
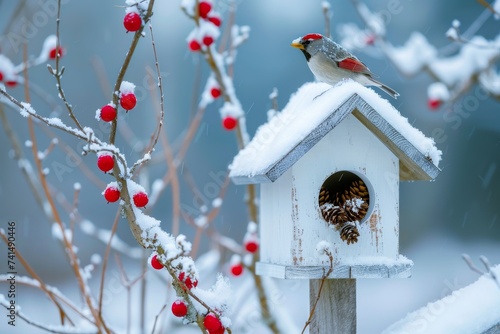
[307, 42]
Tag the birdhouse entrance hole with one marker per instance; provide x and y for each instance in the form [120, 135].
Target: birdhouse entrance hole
[344, 197]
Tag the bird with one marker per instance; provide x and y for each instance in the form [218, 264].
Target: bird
[331, 62]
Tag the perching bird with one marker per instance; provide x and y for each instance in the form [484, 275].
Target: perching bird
[331, 63]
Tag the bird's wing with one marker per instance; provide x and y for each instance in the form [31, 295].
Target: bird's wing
[354, 65]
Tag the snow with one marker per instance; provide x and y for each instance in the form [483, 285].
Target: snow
[413, 56]
[322, 247]
[219, 297]
[126, 88]
[188, 6]
[304, 112]
[229, 109]
[77, 186]
[57, 233]
[7, 69]
[28, 143]
[474, 57]
[472, 309]
[27, 109]
[217, 202]
[378, 260]
[438, 91]
[274, 94]
[496, 8]
[205, 29]
[49, 44]
[142, 5]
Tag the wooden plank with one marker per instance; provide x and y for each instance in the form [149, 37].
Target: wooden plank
[335, 312]
[399, 270]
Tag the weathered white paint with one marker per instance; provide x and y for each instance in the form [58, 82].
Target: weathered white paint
[291, 221]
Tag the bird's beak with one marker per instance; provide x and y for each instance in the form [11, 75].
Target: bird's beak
[296, 44]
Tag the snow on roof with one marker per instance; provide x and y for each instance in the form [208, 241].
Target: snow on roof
[307, 109]
[473, 309]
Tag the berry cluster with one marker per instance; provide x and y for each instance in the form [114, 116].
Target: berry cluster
[251, 245]
[112, 194]
[206, 34]
[128, 101]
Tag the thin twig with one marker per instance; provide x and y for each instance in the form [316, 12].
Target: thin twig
[125, 65]
[487, 5]
[48, 328]
[157, 317]
[58, 73]
[325, 276]
[35, 276]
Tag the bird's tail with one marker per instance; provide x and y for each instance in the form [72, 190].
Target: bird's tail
[385, 88]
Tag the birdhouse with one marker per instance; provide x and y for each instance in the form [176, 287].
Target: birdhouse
[329, 166]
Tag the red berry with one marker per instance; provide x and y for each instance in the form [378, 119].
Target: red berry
[179, 308]
[194, 45]
[188, 283]
[251, 246]
[155, 263]
[108, 113]
[211, 322]
[53, 52]
[112, 194]
[140, 199]
[229, 123]
[215, 20]
[1, 76]
[433, 104]
[237, 269]
[105, 162]
[132, 22]
[11, 83]
[370, 39]
[204, 8]
[128, 101]
[221, 330]
[208, 40]
[215, 92]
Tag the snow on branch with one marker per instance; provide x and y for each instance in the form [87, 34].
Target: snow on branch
[473, 63]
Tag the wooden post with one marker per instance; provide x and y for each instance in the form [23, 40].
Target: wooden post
[335, 312]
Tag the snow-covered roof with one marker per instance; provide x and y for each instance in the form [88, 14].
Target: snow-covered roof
[313, 111]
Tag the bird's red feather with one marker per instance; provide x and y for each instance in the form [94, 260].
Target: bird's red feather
[312, 37]
[352, 64]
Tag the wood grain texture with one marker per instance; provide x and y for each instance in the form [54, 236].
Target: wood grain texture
[400, 270]
[414, 164]
[335, 312]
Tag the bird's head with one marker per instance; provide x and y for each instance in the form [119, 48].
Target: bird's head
[309, 44]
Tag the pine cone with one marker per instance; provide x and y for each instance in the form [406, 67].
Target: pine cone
[333, 214]
[324, 196]
[349, 233]
[354, 200]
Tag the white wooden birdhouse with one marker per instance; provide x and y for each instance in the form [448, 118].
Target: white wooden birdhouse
[329, 167]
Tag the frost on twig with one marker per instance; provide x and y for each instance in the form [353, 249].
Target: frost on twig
[473, 63]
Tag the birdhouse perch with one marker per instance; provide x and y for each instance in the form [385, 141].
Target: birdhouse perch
[329, 167]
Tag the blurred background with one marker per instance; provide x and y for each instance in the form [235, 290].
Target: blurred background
[440, 220]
